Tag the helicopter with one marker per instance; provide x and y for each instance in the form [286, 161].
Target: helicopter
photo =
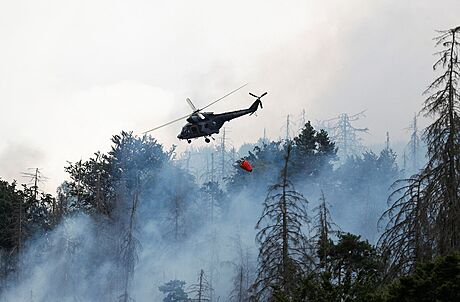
[205, 124]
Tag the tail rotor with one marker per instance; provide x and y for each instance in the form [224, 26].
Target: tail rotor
[258, 97]
[257, 102]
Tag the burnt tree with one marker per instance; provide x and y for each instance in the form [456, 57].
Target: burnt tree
[424, 220]
[282, 251]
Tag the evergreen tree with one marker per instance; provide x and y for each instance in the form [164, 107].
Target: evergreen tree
[113, 185]
[313, 152]
[12, 219]
[24, 213]
[312, 155]
[365, 183]
[266, 161]
[92, 185]
[354, 275]
[96, 182]
[356, 267]
[12, 227]
[174, 291]
[177, 198]
[437, 280]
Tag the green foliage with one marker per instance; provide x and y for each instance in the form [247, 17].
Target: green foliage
[22, 213]
[10, 198]
[437, 280]
[354, 272]
[356, 267]
[358, 173]
[366, 181]
[266, 160]
[313, 152]
[96, 182]
[174, 291]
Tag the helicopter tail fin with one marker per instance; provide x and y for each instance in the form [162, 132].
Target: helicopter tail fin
[256, 105]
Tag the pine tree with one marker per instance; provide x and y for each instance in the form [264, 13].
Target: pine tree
[353, 274]
[113, 185]
[12, 218]
[431, 281]
[266, 161]
[23, 213]
[313, 152]
[174, 291]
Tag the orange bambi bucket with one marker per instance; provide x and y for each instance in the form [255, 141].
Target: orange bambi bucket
[245, 165]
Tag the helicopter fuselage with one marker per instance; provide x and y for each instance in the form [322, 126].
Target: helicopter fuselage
[207, 123]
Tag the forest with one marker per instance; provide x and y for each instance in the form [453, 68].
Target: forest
[320, 218]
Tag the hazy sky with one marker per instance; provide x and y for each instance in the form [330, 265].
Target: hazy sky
[73, 73]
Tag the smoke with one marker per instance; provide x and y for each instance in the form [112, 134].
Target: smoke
[79, 259]
[59, 267]
[19, 157]
[175, 235]
[74, 73]
[101, 73]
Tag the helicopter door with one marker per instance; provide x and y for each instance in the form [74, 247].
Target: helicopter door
[194, 129]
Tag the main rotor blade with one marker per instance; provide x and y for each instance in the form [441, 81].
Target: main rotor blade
[223, 97]
[176, 120]
[194, 110]
[191, 104]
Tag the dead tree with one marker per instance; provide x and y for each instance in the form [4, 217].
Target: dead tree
[443, 141]
[282, 242]
[176, 218]
[288, 128]
[345, 135]
[128, 249]
[424, 221]
[243, 275]
[414, 145]
[202, 289]
[324, 228]
[406, 239]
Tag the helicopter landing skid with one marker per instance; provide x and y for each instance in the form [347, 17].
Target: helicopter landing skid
[208, 139]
